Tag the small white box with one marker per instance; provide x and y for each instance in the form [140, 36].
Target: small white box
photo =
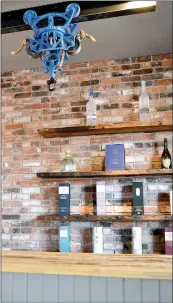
[98, 240]
[171, 201]
[137, 240]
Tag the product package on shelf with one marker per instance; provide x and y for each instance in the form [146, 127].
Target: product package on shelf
[168, 241]
[171, 201]
[64, 199]
[101, 198]
[98, 240]
[138, 198]
[137, 240]
[64, 239]
[115, 157]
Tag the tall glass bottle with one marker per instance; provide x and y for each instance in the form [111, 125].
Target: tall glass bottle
[144, 114]
[166, 156]
[91, 110]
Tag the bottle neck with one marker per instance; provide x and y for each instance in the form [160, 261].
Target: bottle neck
[143, 87]
[165, 144]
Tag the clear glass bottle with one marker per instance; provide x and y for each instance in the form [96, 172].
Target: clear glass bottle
[68, 164]
[144, 113]
[91, 110]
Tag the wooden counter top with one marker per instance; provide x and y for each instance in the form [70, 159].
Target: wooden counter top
[87, 264]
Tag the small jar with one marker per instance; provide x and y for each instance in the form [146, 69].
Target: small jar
[68, 164]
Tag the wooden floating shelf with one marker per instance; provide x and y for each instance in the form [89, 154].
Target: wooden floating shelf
[103, 129]
[103, 174]
[152, 266]
[111, 218]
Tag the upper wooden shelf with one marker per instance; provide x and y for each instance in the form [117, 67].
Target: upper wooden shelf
[103, 129]
[88, 264]
[103, 174]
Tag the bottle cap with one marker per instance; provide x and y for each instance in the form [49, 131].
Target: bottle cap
[91, 92]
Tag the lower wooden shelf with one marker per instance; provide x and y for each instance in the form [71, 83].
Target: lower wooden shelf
[153, 266]
[112, 218]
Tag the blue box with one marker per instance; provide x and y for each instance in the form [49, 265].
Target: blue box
[64, 199]
[64, 238]
[115, 157]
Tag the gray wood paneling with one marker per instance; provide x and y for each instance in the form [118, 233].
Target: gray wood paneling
[6, 287]
[35, 289]
[132, 291]
[50, 288]
[150, 291]
[98, 290]
[115, 290]
[19, 289]
[165, 291]
[81, 289]
[66, 289]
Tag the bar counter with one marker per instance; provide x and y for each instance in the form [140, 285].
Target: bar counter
[151, 266]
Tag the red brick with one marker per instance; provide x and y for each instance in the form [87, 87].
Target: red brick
[133, 117]
[169, 114]
[39, 106]
[100, 140]
[22, 95]
[157, 89]
[111, 80]
[99, 63]
[131, 79]
[168, 63]
[162, 57]
[13, 177]
[14, 126]
[141, 59]
[78, 65]
[39, 196]
[163, 82]
[143, 137]
[121, 138]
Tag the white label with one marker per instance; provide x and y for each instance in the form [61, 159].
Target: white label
[63, 233]
[98, 230]
[168, 236]
[137, 191]
[63, 190]
[100, 188]
[166, 163]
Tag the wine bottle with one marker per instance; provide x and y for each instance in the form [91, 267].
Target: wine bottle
[144, 113]
[91, 110]
[166, 157]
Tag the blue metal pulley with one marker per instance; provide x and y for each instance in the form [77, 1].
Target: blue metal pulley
[53, 43]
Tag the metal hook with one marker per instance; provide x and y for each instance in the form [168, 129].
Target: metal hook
[23, 44]
[51, 84]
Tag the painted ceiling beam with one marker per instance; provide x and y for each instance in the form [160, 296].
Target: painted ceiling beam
[12, 21]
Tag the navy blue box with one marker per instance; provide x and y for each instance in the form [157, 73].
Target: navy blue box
[64, 199]
[115, 157]
[138, 198]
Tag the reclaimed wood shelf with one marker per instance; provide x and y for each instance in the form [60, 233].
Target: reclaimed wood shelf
[111, 218]
[103, 174]
[103, 129]
[151, 266]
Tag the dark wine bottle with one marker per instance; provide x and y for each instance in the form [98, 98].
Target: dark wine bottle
[166, 157]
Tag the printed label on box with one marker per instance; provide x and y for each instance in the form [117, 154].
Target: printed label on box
[168, 236]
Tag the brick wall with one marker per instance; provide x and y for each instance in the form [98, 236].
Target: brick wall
[27, 106]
